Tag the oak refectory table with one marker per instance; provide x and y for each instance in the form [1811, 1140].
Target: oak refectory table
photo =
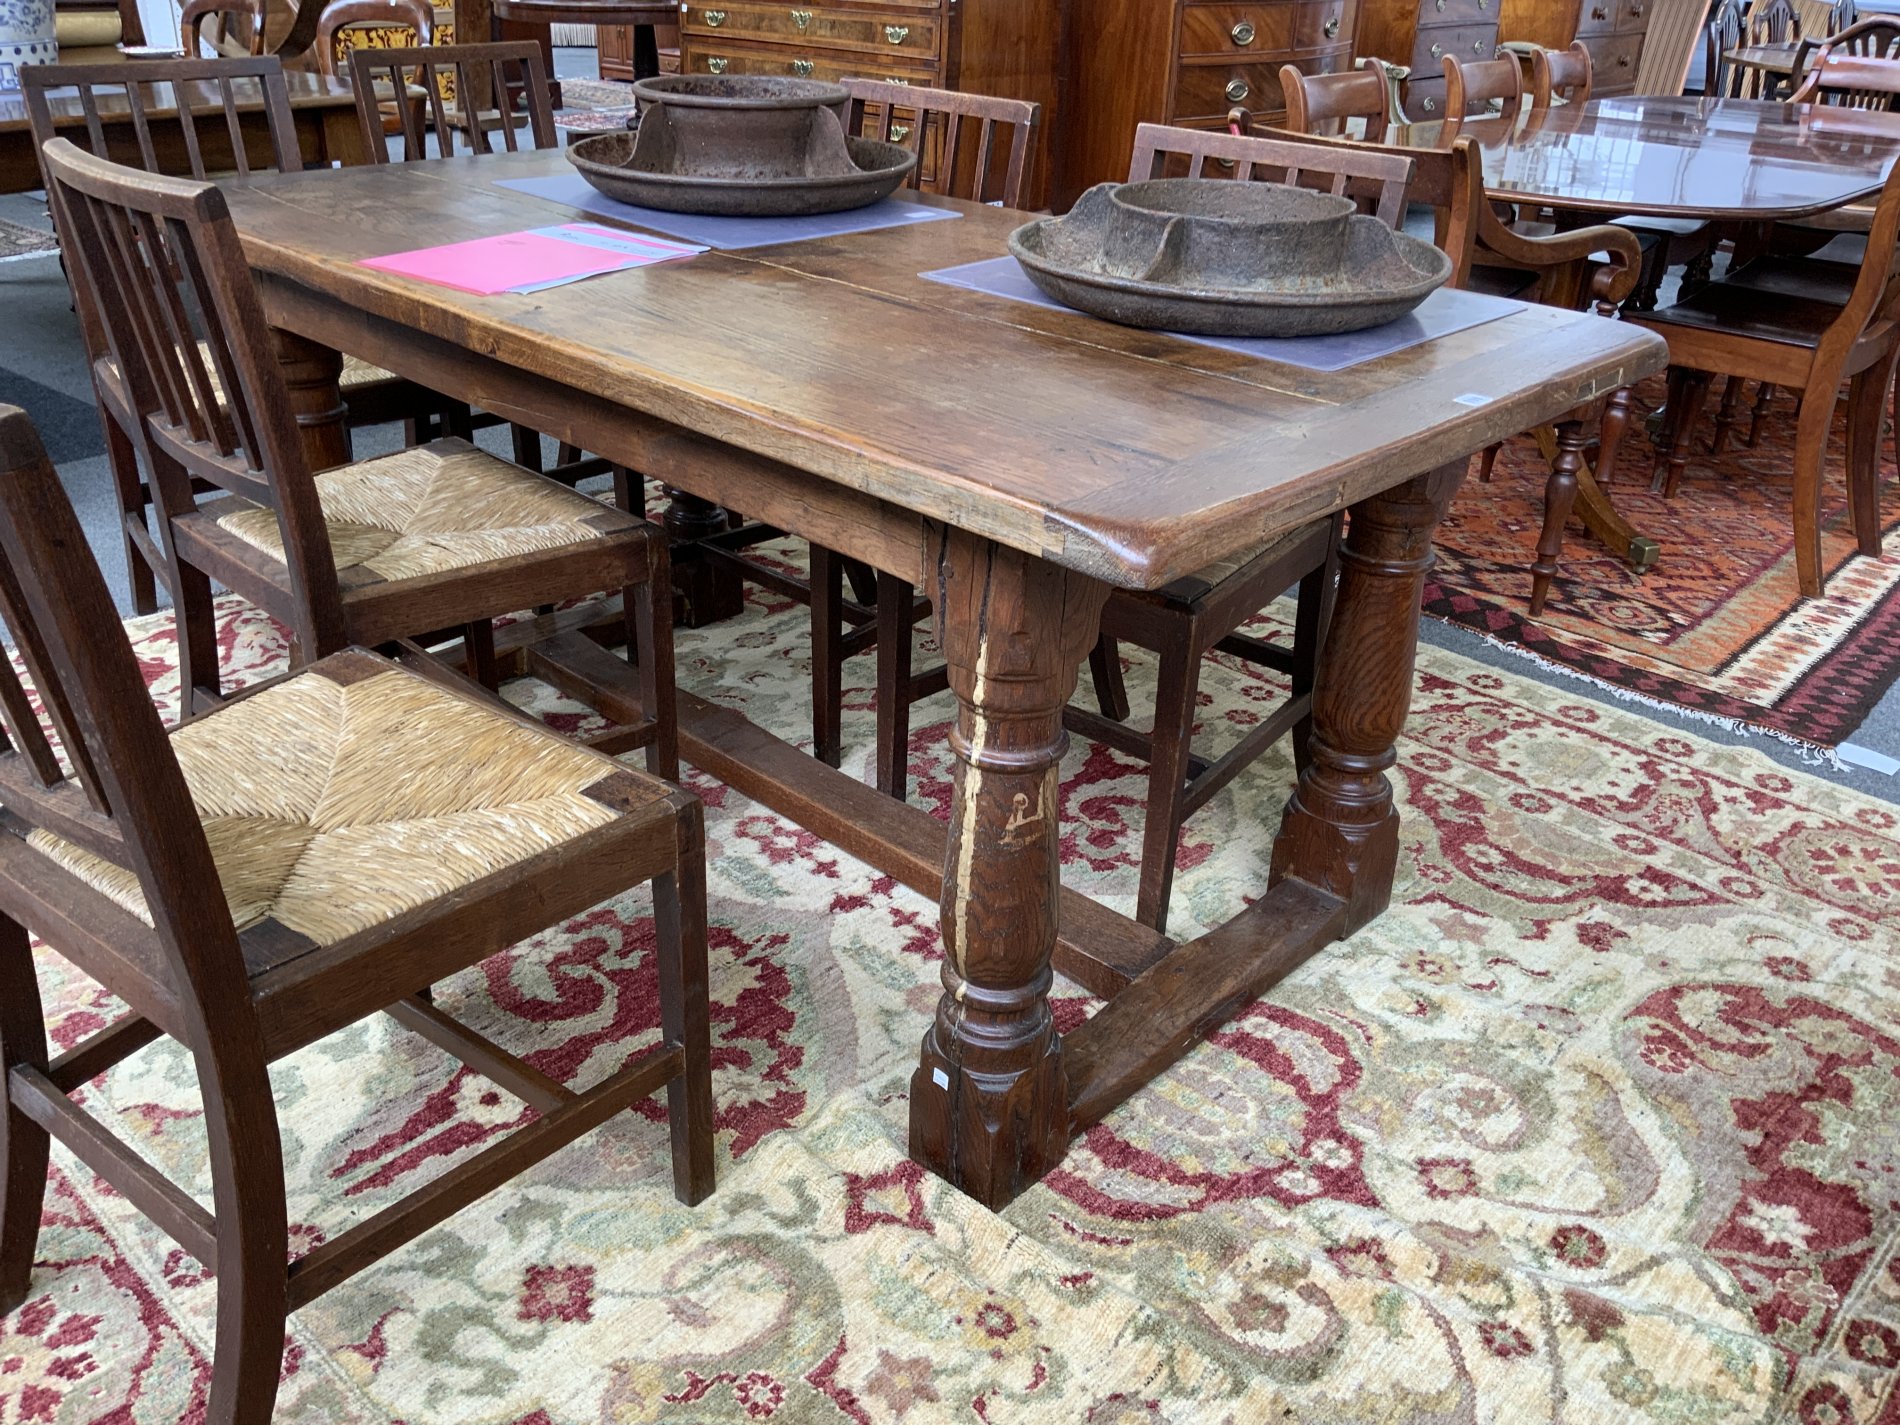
[1014, 462]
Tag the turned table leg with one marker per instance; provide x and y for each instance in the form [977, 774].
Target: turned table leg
[989, 1105]
[708, 590]
[310, 375]
[1340, 831]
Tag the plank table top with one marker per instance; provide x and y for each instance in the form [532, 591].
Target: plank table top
[1132, 456]
[1681, 157]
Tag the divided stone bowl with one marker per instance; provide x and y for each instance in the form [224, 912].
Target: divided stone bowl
[1215, 257]
[741, 146]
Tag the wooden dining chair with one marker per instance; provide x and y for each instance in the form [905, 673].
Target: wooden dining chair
[436, 537]
[344, 26]
[1473, 86]
[506, 79]
[1560, 74]
[209, 135]
[329, 845]
[237, 27]
[1328, 103]
[979, 149]
[1805, 326]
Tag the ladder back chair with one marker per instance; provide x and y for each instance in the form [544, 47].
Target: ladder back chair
[1327, 103]
[237, 27]
[436, 537]
[956, 136]
[235, 117]
[257, 881]
[1560, 74]
[1477, 84]
[509, 76]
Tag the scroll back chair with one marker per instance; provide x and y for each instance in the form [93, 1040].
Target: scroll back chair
[236, 119]
[228, 41]
[1561, 74]
[1325, 103]
[398, 547]
[255, 881]
[1802, 325]
[972, 160]
[342, 18]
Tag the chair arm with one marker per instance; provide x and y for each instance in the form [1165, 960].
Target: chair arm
[1567, 252]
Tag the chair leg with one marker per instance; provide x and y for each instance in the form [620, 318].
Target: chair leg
[1105, 671]
[478, 638]
[1178, 683]
[23, 1143]
[630, 491]
[827, 671]
[1810, 446]
[199, 678]
[132, 502]
[1692, 393]
[863, 580]
[1725, 414]
[527, 447]
[1663, 424]
[1866, 410]
[247, 1170]
[1764, 394]
[1486, 461]
[679, 918]
[1560, 495]
[1610, 433]
[649, 608]
[1314, 612]
[895, 604]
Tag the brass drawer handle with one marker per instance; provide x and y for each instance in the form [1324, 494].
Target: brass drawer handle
[1437, 51]
[716, 66]
[897, 34]
[715, 18]
[1236, 90]
[1622, 61]
[1243, 33]
[1441, 6]
[802, 68]
[1429, 104]
[1331, 28]
[899, 132]
[801, 18]
[1477, 46]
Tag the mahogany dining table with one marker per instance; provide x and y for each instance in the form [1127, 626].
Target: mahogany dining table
[1015, 463]
[1743, 162]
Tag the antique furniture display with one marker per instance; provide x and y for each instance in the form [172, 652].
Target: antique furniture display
[1420, 35]
[237, 27]
[1327, 103]
[1615, 32]
[622, 49]
[507, 76]
[190, 915]
[1477, 85]
[1069, 456]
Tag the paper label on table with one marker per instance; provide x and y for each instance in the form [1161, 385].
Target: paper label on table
[1440, 315]
[531, 261]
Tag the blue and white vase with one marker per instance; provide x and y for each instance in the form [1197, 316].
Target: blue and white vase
[26, 37]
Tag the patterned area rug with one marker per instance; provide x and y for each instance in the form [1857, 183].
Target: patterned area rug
[595, 94]
[1600, 1124]
[18, 241]
[1718, 626]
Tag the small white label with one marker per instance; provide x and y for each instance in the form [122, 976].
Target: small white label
[940, 1078]
[1471, 398]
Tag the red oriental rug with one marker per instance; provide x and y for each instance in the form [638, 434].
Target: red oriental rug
[1718, 626]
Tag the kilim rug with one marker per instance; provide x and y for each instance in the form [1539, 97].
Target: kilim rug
[17, 241]
[1717, 626]
[1600, 1124]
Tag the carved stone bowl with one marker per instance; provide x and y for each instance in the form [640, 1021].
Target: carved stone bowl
[1215, 257]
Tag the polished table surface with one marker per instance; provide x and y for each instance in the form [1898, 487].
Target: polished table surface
[1013, 462]
[1681, 157]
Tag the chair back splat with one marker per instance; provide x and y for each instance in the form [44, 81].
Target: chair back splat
[508, 78]
[955, 135]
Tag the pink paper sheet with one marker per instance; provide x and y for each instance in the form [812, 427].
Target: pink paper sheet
[531, 261]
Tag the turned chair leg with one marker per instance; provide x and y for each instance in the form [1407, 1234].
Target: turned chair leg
[1560, 495]
[1487, 461]
[23, 1143]
[1725, 415]
[1105, 671]
[679, 920]
[1810, 449]
[827, 671]
[895, 608]
[1764, 394]
[1610, 433]
[1177, 687]
[1692, 392]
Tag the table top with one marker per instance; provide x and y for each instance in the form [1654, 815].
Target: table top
[1773, 59]
[307, 91]
[1682, 157]
[1134, 456]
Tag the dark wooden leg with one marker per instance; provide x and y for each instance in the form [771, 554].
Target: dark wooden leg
[646, 52]
[709, 591]
[1764, 397]
[630, 491]
[247, 1173]
[1725, 414]
[1694, 391]
[1313, 615]
[827, 670]
[527, 446]
[1486, 462]
[1179, 681]
[23, 1143]
[989, 1103]
[649, 612]
[311, 372]
[1866, 410]
[1616, 424]
[863, 581]
[679, 918]
[1340, 832]
[895, 603]
[1105, 669]
[132, 502]
[1560, 495]
[1810, 452]
[478, 638]
[1662, 426]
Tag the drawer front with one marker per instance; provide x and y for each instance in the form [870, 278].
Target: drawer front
[1249, 31]
[699, 56]
[1432, 13]
[867, 31]
[1632, 16]
[1465, 42]
[1598, 17]
[1423, 99]
[1613, 60]
[1208, 91]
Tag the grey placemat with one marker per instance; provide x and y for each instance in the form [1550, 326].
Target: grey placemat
[1444, 312]
[728, 233]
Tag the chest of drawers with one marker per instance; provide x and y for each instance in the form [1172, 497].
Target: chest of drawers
[1613, 31]
[1419, 34]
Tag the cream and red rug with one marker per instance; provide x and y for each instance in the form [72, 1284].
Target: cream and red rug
[1600, 1125]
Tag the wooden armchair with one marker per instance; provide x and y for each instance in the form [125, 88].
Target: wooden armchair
[1477, 85]
[237, 27]
[1560, 74]
[432, 538]
[1326, 103]
[257, 881]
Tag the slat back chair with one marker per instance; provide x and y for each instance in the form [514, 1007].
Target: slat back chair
[1675, 29]
[1476, 84]
[114, 869]
[1855, 69]
[971, 159]
[1378, 180]
[1324, 103]
[1560, 74]
[237, 27]
[1720, 77]
[1771, 22]
[492, 83]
